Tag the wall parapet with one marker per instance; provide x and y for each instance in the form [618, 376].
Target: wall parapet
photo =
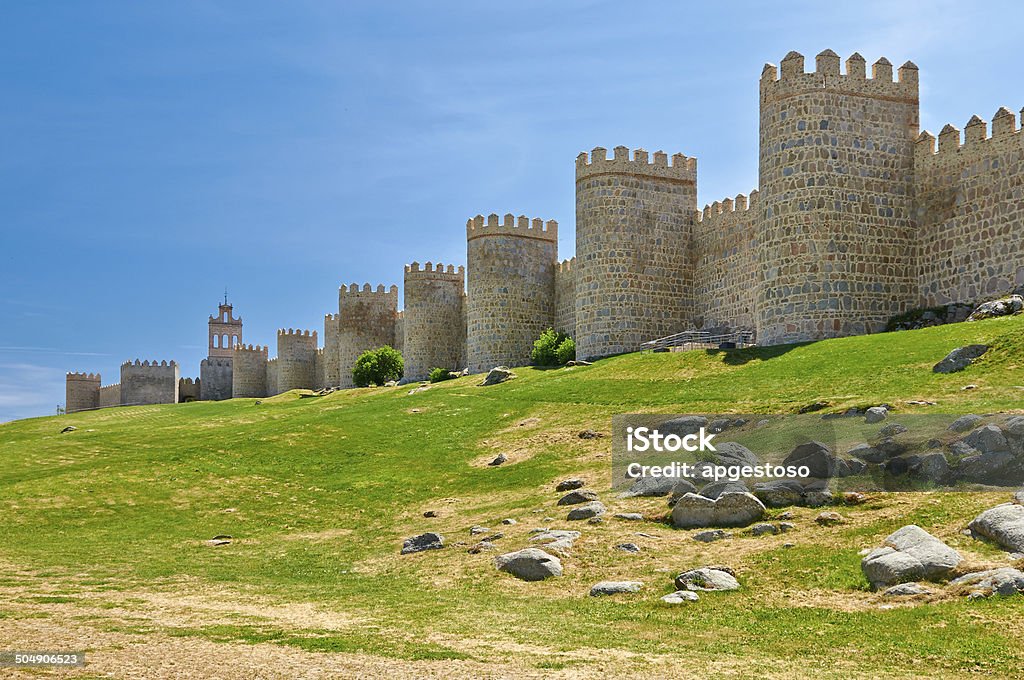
[681, 168]
[435, 271]
[147, 362]
[511, 225]
[354, 289]
[778, 82]
[253, 349]
[90, 377]
[975, 144]
[742, 203]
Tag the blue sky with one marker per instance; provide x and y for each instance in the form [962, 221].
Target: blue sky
[153, 153]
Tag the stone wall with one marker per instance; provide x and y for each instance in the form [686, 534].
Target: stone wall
[633, 262]
[510, 289]
[836, 251]
[565, 297]
[144, 382]
[189, 390]
[400, 332]
[249, 371]
[215, 378]
[272, 381]
[969, 201]
[726, 274]
[367, 321]
[331, 370]
[296, 360]
[81, 392]
[110, 395]
[433, 319]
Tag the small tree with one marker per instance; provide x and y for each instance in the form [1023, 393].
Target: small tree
[439, 374]
[378, 366]
[552, 349]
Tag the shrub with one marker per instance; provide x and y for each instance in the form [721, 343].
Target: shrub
[566, 351]
[440, 374]
[378, 366]
[552, 349]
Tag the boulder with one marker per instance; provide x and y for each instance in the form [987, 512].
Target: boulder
[498, 374]
[909, 554]
[558, 540]
[988, 439]
[680, 597]
[931, 466]
[1002, 581]
[529, 564]
[731, 509]
[69, 428]
[1003, 524]
[892, 429]
[427, 541]
[615, 587]
[707, 578]
[732, 453]
[683, 425]
[986, 468]
[907, 590]
[499, 460]
[712, 535]
[629, 516]
[577, 497]
[569, 484]
[818, 498]
[652, 486]
[1011, 304]
[964, 423]
[715, 489]
[867, 453]
[875, 414]
[508, 521]
[959, 359]
[764, 528]
[818, 457]
[628, 547]
[587, 511]
[829, 518]
[590, 434]
[779, 493]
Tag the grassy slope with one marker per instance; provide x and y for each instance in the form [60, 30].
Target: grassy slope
[318, 494]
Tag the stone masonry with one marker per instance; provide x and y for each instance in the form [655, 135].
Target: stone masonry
[433, 330]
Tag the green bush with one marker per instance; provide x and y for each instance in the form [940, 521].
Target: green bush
[566, 351]
[439, 374]
[378, 366]
[552, 349]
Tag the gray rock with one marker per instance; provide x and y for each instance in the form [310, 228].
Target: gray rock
[868, 453]
[1003, 524]
[818, 498]
[779, 493]
[529, 564]
[818, 457]
[931, 466]
[477, 529]
[558, 540]
[427, 541]
[787, 527]
[1003, 581]
[683, 425]
[680, 597]
[501, 458]
[959, 359]
[508, 521]
[498, 374]
[715, 489]
[875, 414]
[629, 516]
[964, 423]
[730, 510]
[732, 453]
[718, 425]
[986, 468]
[587, 510]
[577, 497]
[763, 528]
[829, 519]
[595, 520]
[651, 486]
[590, 434]
[1002, 307]
[628, 547]
[69, 428]
[570, 484]
[988, 439]
[712, 535]
[909, 554]
[892, 429]
[615, 587]
[681, 488]
[480, 547]
[706, 578]
[907, 590]
[1018, 498]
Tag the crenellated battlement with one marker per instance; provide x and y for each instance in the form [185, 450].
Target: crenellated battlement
[153, 364]
[742, 203]
[216, 362]
[353, 289]
[435, 272]
[974, 144]
[511, 225]
[681, 168]
[566, 266]
[252, 349]
[789, 78]
[90, 377]
[296, 332]
[189, 382]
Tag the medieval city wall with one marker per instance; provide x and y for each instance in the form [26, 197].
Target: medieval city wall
[272, 373]
[434, 335]
[510, 288]
[249, 371]
[215, 378]
[400, 331]
[81, 392]
[330, 366]
[145, 382]
[726, 272]
[969, 201]
[367, 321]
[190, 390]
[565, 297]
[296, 359]
[110, 395]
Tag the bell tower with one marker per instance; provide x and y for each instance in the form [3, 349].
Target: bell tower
[225, 331]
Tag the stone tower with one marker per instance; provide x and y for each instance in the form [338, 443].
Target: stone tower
[511, 288]
[296, 360]
[366, 321]
[249, 371]
[836, 255]
[433, 323]
[633, 273]
[331, 370]
[145, 382]
[81, 392]
[225, 331]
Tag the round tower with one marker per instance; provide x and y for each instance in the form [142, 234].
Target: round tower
[367, 320]
[81, 392]
[434, 334]
[249, 371]
[510, 288]
[836, 171]
[296, 360]
[633, 273]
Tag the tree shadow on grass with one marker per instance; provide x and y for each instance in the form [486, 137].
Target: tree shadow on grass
[738, 357]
